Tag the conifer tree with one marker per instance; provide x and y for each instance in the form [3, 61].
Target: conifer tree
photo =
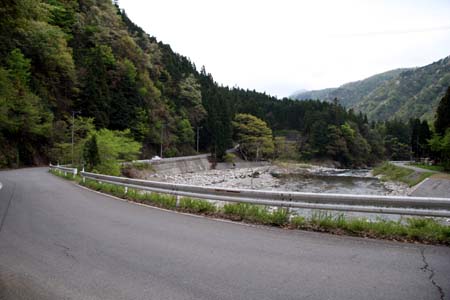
[443, 114]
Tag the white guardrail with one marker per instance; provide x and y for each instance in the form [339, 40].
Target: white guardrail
[168, 160]
[65, 170]
[399, 205]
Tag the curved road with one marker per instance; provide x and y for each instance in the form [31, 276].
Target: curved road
[59, 241]
[438, 185]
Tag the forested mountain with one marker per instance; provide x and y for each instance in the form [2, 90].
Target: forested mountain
[351, 93]
[400, 93]
[81, 83]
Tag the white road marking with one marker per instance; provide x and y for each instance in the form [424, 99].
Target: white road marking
[1, 185]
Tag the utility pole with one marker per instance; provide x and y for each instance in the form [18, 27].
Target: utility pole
[162, 135]
[73, 130]
[198, 136]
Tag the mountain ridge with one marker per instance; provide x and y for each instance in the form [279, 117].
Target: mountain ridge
[400, 93]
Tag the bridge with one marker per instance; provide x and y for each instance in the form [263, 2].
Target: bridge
[61, 241]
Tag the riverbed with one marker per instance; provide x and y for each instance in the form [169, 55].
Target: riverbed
[294, 177]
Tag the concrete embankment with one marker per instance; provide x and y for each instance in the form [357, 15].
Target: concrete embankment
[192, 164]
[179, 165]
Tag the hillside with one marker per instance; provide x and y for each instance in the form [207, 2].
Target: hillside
[78, 79]
[400, 93]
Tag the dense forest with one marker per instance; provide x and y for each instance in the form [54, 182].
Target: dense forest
[81, 83]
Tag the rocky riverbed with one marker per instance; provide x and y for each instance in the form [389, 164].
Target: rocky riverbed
[290, 177]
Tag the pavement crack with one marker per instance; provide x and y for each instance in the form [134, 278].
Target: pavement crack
[7, 207]
[66, 251]
[428, 269]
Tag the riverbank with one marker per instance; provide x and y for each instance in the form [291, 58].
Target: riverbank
[399, 173]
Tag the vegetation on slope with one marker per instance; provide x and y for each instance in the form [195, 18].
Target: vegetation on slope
[64, 62]
[396, 173]
[401, 93]
[350, 93]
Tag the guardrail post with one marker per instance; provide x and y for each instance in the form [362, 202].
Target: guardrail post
[177, 204]
[126, 190]
[84, 178]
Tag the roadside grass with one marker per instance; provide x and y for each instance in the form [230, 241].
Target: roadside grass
[197, 206]
[69, 176]
[423, 230]
[256, 214]
[436, 168]
[395, 173]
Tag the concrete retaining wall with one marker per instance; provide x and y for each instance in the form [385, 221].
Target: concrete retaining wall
[179, 165]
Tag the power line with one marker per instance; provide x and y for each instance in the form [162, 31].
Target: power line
[394, 32]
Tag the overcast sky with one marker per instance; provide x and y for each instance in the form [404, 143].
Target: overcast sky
[280, 46]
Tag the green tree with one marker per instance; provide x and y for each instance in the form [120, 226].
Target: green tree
[185, 132]
[337, 147]
[191, 99]
[442, 122]
[441, 146]
[254, 136]
[25, 123]
[113, 146]
[90, 153]
[61, 151]
[95, 99]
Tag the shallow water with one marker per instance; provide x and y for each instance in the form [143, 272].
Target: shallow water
[345, 182]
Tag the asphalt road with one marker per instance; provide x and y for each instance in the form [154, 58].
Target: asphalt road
[59, 241]
[434, 186]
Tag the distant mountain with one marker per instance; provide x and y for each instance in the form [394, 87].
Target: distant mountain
[300, 91]
[399, 93]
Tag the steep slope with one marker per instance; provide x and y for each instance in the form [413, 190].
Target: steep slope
[350, 93]
[400, 93]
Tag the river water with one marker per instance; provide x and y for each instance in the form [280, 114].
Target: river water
[332, 183]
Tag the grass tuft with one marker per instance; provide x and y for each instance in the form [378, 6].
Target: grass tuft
[197, 206]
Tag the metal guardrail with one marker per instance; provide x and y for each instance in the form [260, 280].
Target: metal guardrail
[65, 170]
[418, 206]
[169, 159]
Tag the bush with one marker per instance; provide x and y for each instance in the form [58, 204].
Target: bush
[257, 214]
[298, 222]
[229, 158]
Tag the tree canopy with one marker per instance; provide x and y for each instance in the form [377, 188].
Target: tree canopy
[254, 136]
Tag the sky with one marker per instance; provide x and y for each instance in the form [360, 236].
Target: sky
[281, 46]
